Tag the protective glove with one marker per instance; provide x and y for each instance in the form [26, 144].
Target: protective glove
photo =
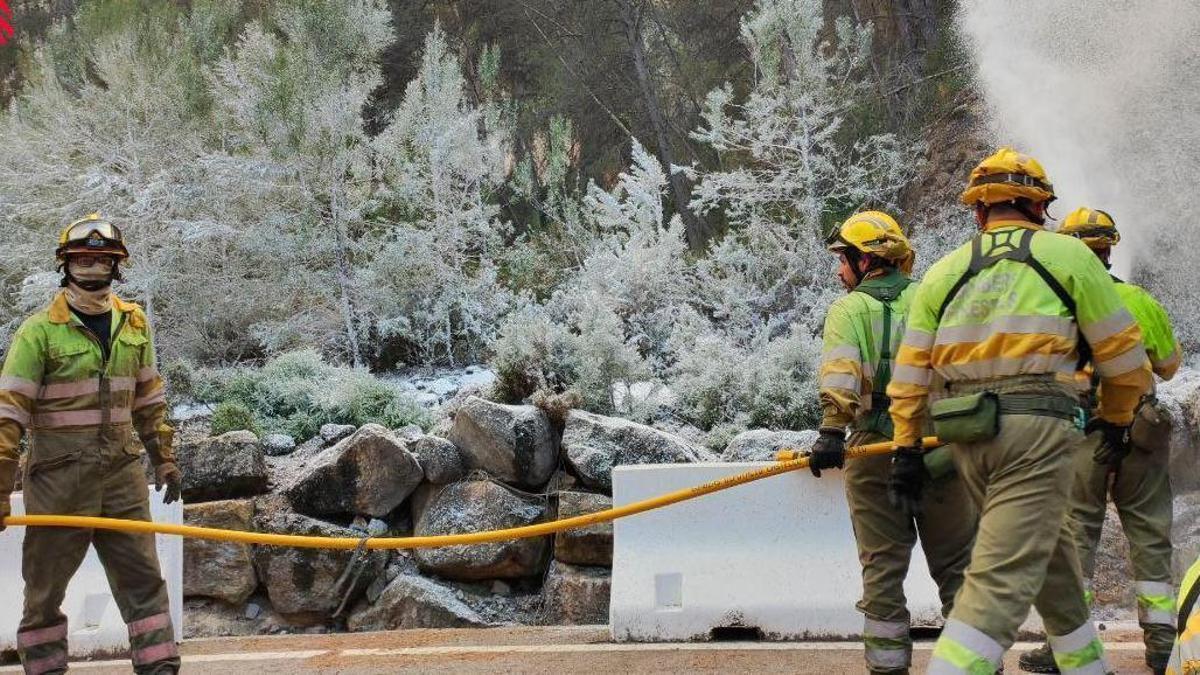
[829, 452]
[907, 479]
[5, 510]
[1114, 444]
[168, 474]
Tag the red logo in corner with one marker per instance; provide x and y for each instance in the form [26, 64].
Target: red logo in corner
[6, 29]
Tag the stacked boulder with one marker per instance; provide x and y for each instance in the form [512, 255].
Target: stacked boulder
[488, 466]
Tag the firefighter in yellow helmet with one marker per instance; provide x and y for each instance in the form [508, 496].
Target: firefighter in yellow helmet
[1002, 321]
[80, 379]
[862, 332]
[1137, 480]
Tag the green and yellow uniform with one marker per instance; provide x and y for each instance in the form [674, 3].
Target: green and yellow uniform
[80, 409]
[985, 319]
[1140, 489]
[862, 333]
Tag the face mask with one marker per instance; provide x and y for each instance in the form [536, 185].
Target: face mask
[89, 288]
[89, 302]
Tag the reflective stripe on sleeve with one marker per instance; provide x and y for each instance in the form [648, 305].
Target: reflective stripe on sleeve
[20, 385]
[907, 374]
[12, 412]
[1119, 365]
[840, 381]
[1099, 331]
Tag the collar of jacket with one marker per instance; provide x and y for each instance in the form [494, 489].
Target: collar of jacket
[883, 278]
[1023, 224]
[60, 311]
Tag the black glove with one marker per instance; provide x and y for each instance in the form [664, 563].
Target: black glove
[1114, 445]
[907, 479]
[167, 474]
[829, 452]
[5, 510]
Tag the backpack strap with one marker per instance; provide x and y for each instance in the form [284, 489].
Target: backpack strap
[1004, 248]
[886, 295]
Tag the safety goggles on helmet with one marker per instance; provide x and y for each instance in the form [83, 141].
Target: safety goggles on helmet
[92, 234]
[83, 231]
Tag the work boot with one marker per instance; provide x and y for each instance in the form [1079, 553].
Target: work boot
[1040, 660]
[1157, 662]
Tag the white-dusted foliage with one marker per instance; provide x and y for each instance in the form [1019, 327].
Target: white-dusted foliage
[264, 218]
[433, 282]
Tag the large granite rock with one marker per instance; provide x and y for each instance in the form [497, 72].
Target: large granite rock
[594, 444]
[219, 569]
[474, 506]
[371, 473]
[301, 582]
[760, 445]
[576, 595]
[226, 467]
[591, 545]
[513, 443]
[412, 601]
[440, 459]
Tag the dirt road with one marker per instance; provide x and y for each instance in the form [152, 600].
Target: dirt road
[584, 649]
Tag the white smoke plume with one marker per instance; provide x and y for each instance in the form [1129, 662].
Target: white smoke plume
[1106, 95]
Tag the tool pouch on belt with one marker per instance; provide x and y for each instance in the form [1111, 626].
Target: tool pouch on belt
[966, 419]
[1152, 425]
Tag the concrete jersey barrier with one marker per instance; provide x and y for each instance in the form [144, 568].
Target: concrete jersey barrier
[776, 556]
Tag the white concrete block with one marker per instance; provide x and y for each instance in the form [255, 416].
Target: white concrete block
[777, 554]
[95, 624]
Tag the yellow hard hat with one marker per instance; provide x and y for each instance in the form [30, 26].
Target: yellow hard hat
[91, 234]
[1005, 176]
[877, 233]
[1092, 226]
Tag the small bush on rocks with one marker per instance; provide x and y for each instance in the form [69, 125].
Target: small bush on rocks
[295, 393]
[232, 416]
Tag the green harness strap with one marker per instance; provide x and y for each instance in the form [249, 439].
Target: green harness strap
[1002, 247]
[886, 289]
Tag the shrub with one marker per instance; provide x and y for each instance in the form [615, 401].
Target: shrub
[297, 392]
[233, 416]
[533, 353]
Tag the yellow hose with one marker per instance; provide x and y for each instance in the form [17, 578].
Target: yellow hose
[536, 530]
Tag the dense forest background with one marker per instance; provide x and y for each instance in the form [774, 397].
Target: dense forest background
[585, 195]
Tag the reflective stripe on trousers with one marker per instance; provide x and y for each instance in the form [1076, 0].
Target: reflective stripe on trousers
[1080, 651]
[887, 644]
[964, 649]
[152, 639]
[1156, 602]
[43, 650]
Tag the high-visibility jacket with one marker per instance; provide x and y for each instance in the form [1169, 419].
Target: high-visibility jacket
[1185, 658]
[1157, 335]
[1007, 320]
[853, 375]
[56, 385]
